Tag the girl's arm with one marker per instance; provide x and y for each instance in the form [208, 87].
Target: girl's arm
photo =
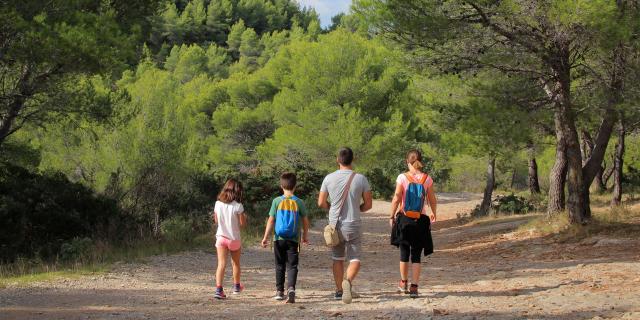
[243, 219]
[397, 196]
[215, 217]
[433, 203]
[268, 230]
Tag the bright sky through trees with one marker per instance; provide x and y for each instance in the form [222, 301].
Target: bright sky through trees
[327, 8]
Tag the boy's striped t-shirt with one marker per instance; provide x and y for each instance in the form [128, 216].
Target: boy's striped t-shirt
[302, 211]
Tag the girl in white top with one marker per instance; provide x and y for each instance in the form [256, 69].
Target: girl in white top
[229, 215]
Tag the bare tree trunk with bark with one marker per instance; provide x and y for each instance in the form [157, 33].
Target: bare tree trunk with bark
[534, 185]
[616, 200]
[488, 190]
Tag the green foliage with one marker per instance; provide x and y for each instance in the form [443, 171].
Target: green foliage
[511, 204]
[49, 51]
[177, 229]
[76, 249]
[223, 21]
[41, 212]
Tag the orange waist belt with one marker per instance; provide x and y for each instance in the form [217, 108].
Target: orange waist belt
[413, 214]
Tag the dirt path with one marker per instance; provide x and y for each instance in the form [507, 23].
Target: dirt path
[479, 271]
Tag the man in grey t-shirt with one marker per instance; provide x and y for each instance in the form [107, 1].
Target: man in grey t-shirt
[347, 219]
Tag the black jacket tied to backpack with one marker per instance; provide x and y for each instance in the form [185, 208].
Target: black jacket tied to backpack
[413, 232]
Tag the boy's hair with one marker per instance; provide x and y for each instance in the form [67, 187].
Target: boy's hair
[288, 181]
[231, 191]
[345, 156]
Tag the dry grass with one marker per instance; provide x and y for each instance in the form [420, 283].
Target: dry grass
[98, 260]
[623, 221]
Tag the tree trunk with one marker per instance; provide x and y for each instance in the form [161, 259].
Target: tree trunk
[618, 162]
[557, 180]
[7, 121]
[488, 190]
[590, 155]
[513, 179]
[609, 172]
[534, 185]
[577, 203]
[156, 224]
[598, 183]
[568, 143]
[15, 106]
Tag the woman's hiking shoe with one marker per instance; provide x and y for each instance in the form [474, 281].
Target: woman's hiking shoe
[237, 288]
[291, 296]
[413, 291]
[220, 294]
[403, 287]
[346, 291]
[279, 295]
[337, 295]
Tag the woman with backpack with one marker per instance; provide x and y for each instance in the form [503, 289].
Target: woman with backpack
[410, 225]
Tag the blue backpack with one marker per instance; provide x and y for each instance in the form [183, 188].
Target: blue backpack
[287, 218]
[414, 196]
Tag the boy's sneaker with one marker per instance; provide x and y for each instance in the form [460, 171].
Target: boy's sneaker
[403, 286]
[337, 295]
[237, 288]
[413, 291]
[291, 296]
[279, 295]
[220, 294]
[346, 293]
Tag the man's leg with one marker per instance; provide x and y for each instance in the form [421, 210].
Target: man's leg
[338, 256]
[338, 273]
[352, 270]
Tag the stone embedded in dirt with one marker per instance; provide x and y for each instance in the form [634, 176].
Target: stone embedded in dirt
[610, 242]
[336, 314]
[589, 241]
[440, 312]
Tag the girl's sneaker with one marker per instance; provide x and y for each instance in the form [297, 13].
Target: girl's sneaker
[220, 294]
[237, 288]
[403, 286]
[279, 295]
[337, 295]
[413, 291]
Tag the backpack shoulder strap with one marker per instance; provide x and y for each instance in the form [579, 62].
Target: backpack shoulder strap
[424, 178]
[410, 177]
[343, 199]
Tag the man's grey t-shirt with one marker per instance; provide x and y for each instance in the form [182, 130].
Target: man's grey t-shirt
[334, 184]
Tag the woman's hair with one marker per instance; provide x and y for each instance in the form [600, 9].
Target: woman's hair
[232, 191]
[414, 158]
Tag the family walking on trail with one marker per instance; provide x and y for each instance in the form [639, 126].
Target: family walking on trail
[345, 194]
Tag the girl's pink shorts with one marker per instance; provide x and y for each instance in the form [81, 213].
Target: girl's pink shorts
[232, 245]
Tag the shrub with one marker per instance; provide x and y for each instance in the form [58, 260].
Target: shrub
[177, 229]
[40, 212]
[511, 204]
[76, 249]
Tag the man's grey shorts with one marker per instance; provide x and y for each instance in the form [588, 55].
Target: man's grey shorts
[350, 246]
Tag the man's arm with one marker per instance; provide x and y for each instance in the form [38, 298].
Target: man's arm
[368, 201]
[322, 200]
